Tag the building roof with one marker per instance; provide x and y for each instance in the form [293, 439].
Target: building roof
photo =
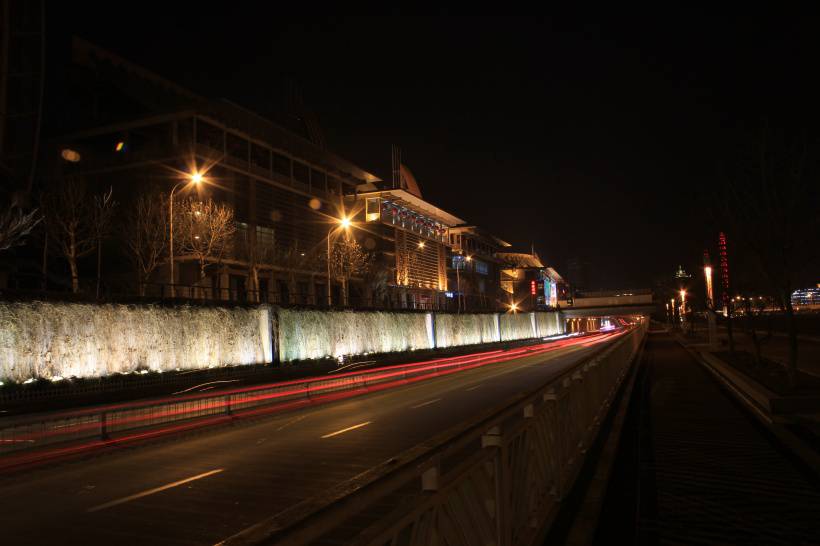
[520, 259]
[481, 234]
[231, 115]
[407, 199]
[553, 274]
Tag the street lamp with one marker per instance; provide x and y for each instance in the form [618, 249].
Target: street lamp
[708, 272]
[195, 178]
[344, 223]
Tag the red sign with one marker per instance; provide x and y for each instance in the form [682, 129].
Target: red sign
[724, 267]
[532, 287]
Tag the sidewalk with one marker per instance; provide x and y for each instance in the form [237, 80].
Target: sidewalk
[694, 468]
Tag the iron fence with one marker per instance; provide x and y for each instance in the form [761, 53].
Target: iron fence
[195, 294]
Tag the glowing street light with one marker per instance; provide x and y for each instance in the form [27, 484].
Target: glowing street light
[194, 178]
[514, 307]
[707, 270]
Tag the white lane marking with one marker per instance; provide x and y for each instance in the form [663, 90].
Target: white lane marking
[360, 425]
[426, 403]
[154, 490]
[474, 387]
[292, 421]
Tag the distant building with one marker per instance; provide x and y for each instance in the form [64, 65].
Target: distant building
[474, 269]
[528, 285]
[807, 297]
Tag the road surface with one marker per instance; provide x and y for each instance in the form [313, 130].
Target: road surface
[200, 489]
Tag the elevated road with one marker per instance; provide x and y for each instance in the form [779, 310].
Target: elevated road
[201, 489]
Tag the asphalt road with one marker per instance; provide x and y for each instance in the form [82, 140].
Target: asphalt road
[202, 488]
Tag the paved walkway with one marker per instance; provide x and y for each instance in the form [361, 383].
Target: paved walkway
[693, 468]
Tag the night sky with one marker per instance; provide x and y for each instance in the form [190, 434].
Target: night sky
[595, 138]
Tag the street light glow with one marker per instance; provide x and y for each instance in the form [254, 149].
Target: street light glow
[421, 244]
[344, 222]
[196, 177]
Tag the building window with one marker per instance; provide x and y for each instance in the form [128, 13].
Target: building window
[281, 164]
[210, 136]
[318, 180]
[260, 157]
[265, 241]
[481, 267]
[301, 173]
[458, 262]
[237, 147]
[372, 209]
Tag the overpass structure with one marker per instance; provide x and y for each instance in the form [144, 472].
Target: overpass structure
[610, 303]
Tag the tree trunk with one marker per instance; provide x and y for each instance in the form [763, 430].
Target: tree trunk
[75, 277]
[792, 364]
[750, 326]
[255, 283]
[45, 262]
[99, 266]
[72, 263]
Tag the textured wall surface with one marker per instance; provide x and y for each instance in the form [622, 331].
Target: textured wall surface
[48, 340]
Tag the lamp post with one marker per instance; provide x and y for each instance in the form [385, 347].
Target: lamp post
[707, 271]
[195, 179]
[344, 222]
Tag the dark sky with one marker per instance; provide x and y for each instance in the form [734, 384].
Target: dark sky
[590, 137]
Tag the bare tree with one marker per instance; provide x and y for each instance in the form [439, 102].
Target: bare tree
[347, 260]
[204, 230]
[16, 225]
[771, 205]
[104, 207]
[260, 251]
[146, 234]
[75, 221]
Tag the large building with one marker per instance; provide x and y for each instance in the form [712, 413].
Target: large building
[137, 132]
[410, 238]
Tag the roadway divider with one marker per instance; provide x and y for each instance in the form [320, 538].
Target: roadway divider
[28, 440]
[498, 479]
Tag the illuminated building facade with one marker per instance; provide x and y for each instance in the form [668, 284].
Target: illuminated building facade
[410, 237]
[530, 285]
[474, 270]
[806, 298]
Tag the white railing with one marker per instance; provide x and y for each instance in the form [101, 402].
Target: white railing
[498, 480]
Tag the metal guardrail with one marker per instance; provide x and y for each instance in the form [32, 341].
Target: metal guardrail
[27, 439]
[498, 480]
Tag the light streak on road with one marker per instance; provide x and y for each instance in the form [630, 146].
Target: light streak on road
[354, 427]
[154, 490]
